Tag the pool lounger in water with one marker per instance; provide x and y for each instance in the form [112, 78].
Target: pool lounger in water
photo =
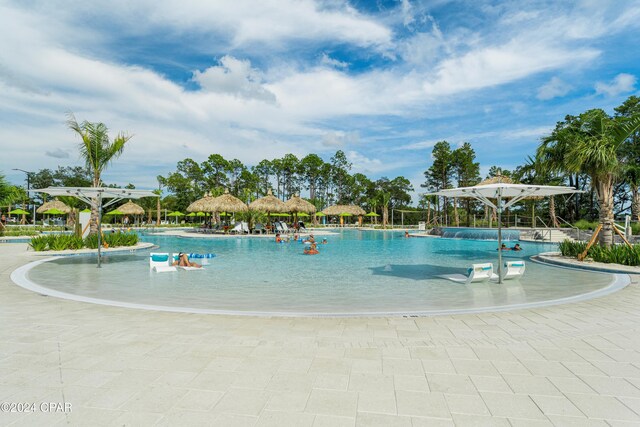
[477, 273]
[159, 262]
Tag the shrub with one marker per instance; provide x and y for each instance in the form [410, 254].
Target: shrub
[39, 244]
[583, 224]
[616, 254]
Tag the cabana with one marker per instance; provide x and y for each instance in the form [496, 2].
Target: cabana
[500, 191]
[97, 194]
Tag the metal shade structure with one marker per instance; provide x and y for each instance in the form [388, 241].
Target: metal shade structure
[88, 194]
[499, 191]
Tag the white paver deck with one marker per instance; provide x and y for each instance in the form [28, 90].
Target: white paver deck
[576, 364]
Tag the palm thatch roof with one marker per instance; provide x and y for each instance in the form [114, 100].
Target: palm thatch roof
[131, 208]
[339, 209]
[268, 203]
[498, 179]
[298, 204]
[54, 204]
[228, 203]
[205, 204]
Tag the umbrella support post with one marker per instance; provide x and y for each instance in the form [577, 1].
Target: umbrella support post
[499, 239]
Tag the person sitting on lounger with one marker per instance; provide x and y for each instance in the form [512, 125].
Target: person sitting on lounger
[183, 261]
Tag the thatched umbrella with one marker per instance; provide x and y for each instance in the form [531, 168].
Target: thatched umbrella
[131, 208]
[297, 204]
[268, 204]
[342, 209]
[54, 204]
[204, 204]
[228, 203]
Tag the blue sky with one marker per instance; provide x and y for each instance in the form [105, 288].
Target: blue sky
[381, 80]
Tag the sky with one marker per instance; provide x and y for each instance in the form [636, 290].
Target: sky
[381, 80]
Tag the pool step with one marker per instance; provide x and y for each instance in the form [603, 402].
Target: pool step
[554, 235]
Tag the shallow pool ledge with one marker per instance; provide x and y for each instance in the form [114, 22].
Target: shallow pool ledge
[119, 249]
[557, 259]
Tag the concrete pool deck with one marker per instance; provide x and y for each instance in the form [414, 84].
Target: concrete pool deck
[574, 364]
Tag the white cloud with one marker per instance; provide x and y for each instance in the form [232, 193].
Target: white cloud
[339, 139]
[331, 62]
[622, 83]
[553, 88]
[235, 77]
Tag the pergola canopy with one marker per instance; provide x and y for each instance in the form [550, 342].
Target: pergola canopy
[488, 193]
[513, 192]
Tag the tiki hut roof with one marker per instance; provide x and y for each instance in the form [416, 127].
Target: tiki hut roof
[339, 209]
[268, 203]
[131, 208]
[298, 204]
[498, 179]
[54, 204]
[205, 204]
[228, 203]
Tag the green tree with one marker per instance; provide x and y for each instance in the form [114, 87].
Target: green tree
[214, 170]
[340, 168]
[466, 172]
[597, 150]
[631, 149]
[98, 152]
[439, 175]
[310, 170]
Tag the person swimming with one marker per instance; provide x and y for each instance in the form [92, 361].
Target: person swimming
[516, 247]
[311, 249]
[504, 248]
[278, 238]
[406, 234]
[324, 241]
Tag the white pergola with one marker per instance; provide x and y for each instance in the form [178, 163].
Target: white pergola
[499, 191]
[88, 194]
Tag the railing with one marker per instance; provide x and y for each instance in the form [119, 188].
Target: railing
[573, 227]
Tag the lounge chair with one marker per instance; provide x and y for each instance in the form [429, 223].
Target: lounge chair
[240, 228]
[513, 270]
[285, 227]
[160, 263]
[477, 273]
[259, 229]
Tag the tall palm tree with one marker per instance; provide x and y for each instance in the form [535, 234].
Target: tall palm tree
[8, 194]
[98, 152]
[596, 151]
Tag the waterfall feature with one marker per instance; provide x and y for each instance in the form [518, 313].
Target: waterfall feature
[480, 234]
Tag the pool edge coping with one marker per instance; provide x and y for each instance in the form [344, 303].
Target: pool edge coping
[19, 278]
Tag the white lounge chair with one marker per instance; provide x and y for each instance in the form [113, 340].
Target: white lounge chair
[241, 228]
[477, 273]
[513, 270]
[160, 262]
[259, 229]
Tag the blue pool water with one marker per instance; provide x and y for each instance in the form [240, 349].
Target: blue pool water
[357, 272]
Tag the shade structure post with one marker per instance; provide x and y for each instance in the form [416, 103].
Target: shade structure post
[99, 230]
[499, 209]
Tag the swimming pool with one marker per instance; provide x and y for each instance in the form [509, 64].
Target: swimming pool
[357, 272]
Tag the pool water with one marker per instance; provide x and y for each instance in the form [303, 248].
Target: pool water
[357, 272]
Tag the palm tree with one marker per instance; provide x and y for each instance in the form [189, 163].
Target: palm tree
[98, 152]
[8, 194]
[595, 149]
